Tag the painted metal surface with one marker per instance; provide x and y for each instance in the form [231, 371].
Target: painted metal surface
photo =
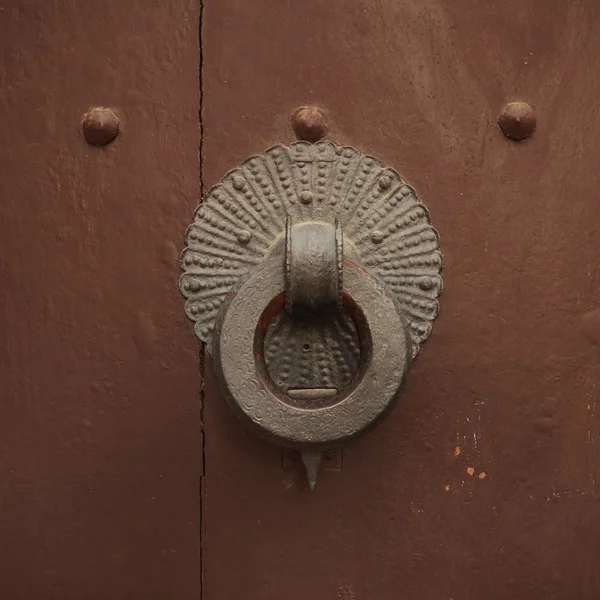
[490, 466]
[100, 444]
[482, 483]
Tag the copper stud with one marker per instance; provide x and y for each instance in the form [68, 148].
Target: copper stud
[309, 123]
[100, 126]
[517, 120]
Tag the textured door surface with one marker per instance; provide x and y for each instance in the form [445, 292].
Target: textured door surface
[100, 451]
[116, 482]
[482, 482]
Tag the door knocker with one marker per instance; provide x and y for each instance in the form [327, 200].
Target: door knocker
[312, 274]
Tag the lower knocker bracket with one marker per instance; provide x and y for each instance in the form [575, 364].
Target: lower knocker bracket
[312, 272]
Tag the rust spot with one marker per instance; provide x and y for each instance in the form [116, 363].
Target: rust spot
[470, 471]
[482, 475]
[345, 592]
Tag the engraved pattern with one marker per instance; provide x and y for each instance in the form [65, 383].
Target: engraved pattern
[313, 352]
[381, 217]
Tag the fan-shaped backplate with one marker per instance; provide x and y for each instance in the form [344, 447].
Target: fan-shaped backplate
[382, 220]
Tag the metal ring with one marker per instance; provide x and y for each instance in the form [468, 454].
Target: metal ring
[248, 388]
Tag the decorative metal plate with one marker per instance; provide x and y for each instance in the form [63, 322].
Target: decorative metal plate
[385, 227]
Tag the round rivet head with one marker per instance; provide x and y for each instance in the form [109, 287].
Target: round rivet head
[377, 237]
[517, 120]
[426, 283]
[239, 183]
[100, 126]
[243, 237]
[384, 182]
[306, 197]
[309, 123]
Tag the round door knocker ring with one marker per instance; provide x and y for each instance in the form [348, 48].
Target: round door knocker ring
[239, 362]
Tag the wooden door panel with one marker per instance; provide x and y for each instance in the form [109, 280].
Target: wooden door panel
[482, 482]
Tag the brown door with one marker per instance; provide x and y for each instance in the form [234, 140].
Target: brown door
[482, 481]
[100, 451]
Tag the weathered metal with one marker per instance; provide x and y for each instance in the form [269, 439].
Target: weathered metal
[508, 375]
[343, 244]
[100, 435]
[300, 422]
[313, 261]
[243, 219]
